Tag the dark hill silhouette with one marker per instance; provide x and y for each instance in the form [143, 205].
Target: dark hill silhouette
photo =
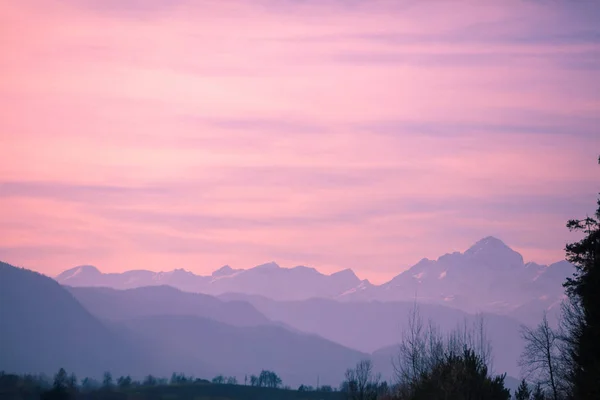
[112, 304]
[44, 328]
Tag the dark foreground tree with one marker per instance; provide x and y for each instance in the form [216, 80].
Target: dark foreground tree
[107, 381]
[538, 393]
[362, 383]
[253, 380]
[430, 365]
[266, 379]
[523, 392]
[89, 384]
[459, 377]
[64, 387]
[150, 381]
[584, 291]
[569, 330]
[124, 382]
[540, 360]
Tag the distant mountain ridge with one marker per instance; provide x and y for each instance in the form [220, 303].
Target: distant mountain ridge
[489, 277]
[296, 283]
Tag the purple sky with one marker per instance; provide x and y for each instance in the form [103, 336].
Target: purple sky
[335, 134]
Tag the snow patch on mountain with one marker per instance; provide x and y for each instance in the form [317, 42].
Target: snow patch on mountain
[362, 286]
[216, 278]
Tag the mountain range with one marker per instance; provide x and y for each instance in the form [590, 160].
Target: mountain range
[45, 327]
[487, 277]
[268, 279]
[301, 323]
[160, 329]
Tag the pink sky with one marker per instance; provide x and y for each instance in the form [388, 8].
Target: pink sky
[336, 134]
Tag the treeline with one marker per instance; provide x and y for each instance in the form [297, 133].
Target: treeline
[266, 385]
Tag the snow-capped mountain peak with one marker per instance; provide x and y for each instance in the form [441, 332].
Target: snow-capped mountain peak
[81, 271]
[270, 266]
[493, 251]
[225, 270]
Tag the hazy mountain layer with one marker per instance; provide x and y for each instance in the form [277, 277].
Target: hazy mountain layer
[44, 328]
[488, 277]
[370, 326]
[112, 304]
[268, 279]
[205, 347]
